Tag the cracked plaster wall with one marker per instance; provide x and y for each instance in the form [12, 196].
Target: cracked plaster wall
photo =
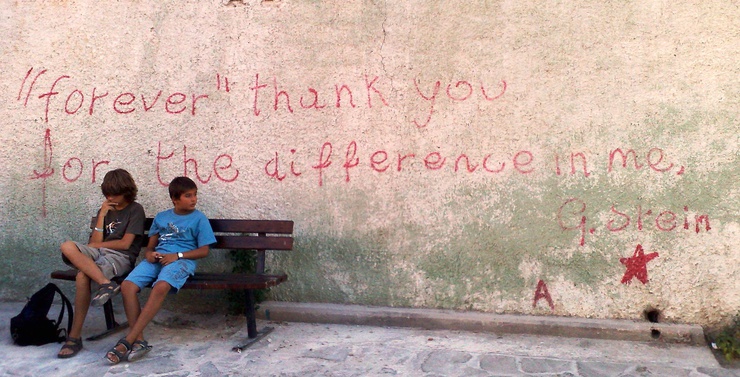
[481, 155]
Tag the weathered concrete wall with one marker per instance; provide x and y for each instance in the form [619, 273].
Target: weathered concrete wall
[574, 158]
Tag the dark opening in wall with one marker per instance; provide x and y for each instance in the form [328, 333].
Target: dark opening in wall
[652, 315]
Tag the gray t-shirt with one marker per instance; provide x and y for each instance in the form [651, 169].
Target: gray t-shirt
[128, 220]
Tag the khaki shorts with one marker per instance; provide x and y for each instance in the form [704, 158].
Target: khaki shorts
[111, 262]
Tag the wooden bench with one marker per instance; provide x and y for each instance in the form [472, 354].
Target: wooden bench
[238, 235]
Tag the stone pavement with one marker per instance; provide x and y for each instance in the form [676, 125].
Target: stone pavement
[200, 345]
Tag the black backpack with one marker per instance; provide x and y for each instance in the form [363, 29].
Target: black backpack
[32, 327]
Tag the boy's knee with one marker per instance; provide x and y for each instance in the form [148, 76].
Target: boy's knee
[129, 288]
[82, 277]
[69, 247]
[162, 287]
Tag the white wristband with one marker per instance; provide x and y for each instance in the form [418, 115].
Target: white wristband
[99, 230]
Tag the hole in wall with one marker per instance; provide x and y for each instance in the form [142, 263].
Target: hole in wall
[655, 333]
[653, 315]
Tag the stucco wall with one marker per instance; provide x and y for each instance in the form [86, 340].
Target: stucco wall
[544, 157]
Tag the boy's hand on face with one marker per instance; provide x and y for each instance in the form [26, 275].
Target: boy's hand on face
[107, 206]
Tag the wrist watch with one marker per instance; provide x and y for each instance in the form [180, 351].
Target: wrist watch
[180, 255]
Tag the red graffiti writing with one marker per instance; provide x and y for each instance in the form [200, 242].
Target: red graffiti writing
[655, 160]
[542, 292]
[222, 167]
[637, 266]
[572, 216]
[382, 161]
[72, 169]
[47, 171]
[343, 95]
[63, 97]
[462, 91]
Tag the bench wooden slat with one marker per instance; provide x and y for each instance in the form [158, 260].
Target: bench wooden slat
[251, 226]
[253, 243]
[233, 281]
[237, 226]
[64, 274]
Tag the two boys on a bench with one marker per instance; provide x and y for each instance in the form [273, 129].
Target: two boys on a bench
[177, 237]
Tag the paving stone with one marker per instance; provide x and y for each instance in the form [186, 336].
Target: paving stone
[600, 369]
[499, 364]
[333, 353]
[718, 372]
[662, 370]
[445, 362]
[542, 365]
[155, 365]
[199, 350]
[209, 370]
[472, 372]
[637, 371]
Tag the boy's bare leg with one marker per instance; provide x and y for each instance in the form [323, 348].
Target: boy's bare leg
[152, 306]
[131, 306]
[82, 304]
[144, 316]
[83, 263]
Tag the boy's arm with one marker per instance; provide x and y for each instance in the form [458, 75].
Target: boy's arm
[135, 223]
[150, 254]
[122, 244]
[97, 235]
[198, 253]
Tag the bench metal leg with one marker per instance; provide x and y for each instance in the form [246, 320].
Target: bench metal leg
[261, 334]
[110, 322]
[249, 312]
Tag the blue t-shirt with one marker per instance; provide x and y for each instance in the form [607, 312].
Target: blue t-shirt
[181, 232]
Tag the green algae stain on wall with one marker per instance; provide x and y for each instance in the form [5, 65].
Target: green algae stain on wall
[491, 242]
[485, 255]
[329, 269]
[30, 242]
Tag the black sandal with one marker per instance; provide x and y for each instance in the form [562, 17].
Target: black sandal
[113, 352]
[138, 349]
[71, 344]
[105, 293]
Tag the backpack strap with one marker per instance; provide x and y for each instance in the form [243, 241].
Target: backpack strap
[68, 304]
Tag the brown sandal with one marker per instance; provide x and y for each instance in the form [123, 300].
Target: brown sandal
[105, 293]
[71, 344]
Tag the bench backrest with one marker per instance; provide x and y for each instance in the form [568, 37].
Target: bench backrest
[258, 235]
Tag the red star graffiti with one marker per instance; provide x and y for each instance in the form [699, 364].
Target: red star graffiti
[637, 266]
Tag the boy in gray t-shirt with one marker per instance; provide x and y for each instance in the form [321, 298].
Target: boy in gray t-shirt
[111, 251]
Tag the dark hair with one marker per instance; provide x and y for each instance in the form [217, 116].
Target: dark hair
[179, 185]
[119, 182]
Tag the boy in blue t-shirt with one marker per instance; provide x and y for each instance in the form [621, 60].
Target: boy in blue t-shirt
[177, 237]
